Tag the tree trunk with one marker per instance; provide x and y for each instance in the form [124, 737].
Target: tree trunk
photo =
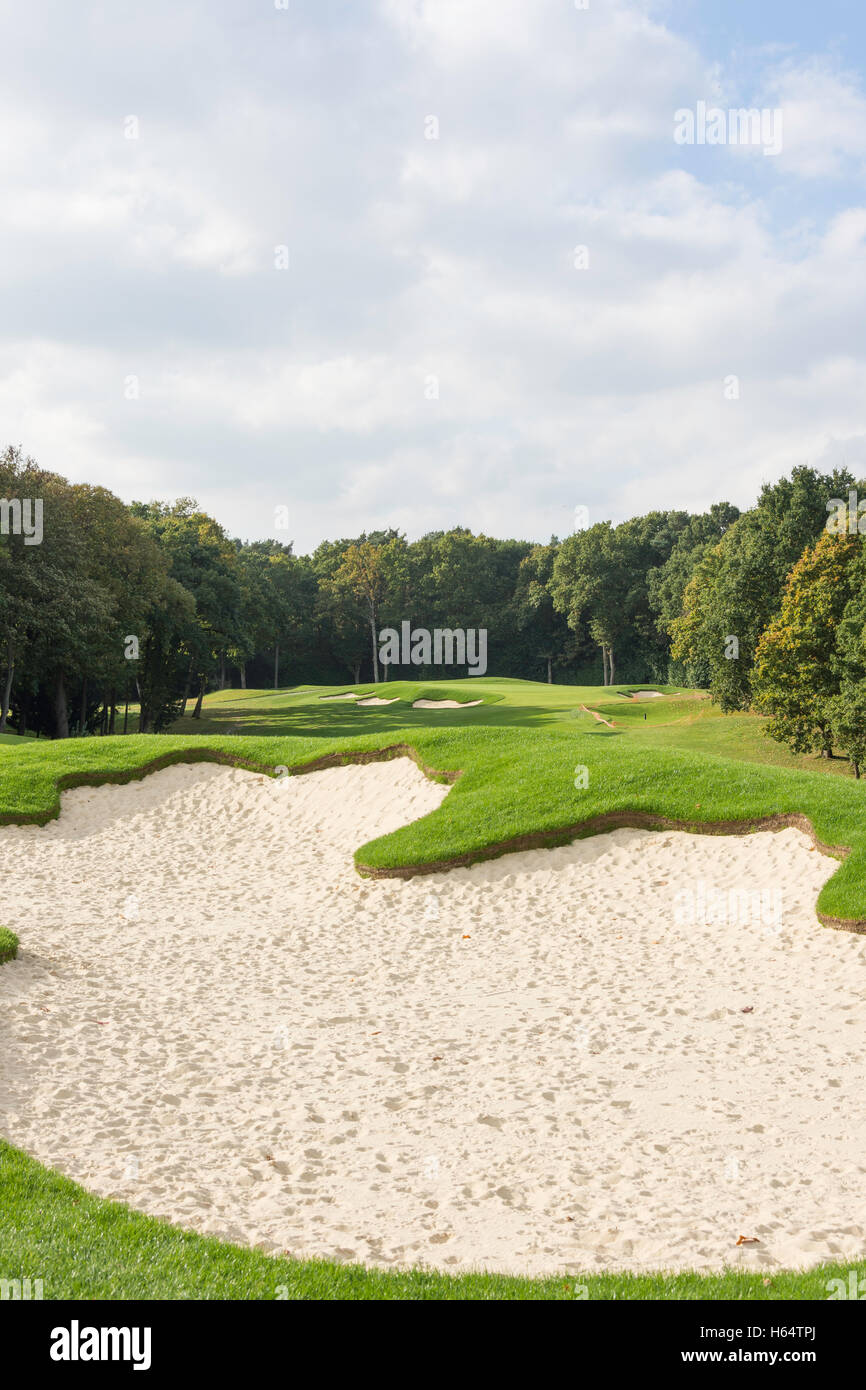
[857, 771]
[185, 691]
[375, 652]
[112, 718]
[126, 705]
[222, 674]
[82, 719]
[243, 670]
[549, 671]
[276, 665]
[196, 714]
[604, 660]
[7, 688]
[356, 670]
[143, 710]
[611, 664]
[61, 714]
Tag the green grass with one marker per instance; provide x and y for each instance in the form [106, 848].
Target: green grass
[85, 1248]
[8, 945]
[512, 762]
[684, 719]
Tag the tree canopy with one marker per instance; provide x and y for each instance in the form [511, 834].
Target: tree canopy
[156, 602]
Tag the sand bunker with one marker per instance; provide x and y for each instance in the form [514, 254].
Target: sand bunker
[445, 704]
[642, 694]
[528, 1065]
[351, 696]
[378, 700]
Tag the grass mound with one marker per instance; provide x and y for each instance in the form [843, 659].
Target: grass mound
[8, 945]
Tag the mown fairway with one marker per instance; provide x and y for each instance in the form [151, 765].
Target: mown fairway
[683, 719]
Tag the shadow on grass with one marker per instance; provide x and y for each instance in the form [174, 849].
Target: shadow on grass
[331, 720]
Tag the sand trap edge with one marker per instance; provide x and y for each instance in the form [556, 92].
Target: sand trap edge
[68, 781]
[630, 820]
[539, 839]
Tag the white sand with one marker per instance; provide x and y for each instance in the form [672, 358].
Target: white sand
[378, 700]
[445, 704]
[648, 695]
[527, 1065]
[351, 696]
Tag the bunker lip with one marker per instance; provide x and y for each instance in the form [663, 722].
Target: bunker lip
[70, 780]
[627, 820]
[445, 704]
[540, 839]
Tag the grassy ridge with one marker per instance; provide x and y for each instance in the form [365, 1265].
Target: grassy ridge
[514, 782]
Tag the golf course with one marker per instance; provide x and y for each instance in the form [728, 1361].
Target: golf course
[518, 773]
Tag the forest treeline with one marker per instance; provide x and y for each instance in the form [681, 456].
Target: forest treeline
[156, 603]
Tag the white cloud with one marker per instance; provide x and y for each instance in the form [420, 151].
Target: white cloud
[413, 258]
[824, 120]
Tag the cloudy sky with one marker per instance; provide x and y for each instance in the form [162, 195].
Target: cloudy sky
[438, 350]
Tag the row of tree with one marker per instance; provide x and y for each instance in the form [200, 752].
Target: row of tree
[156, 603]
[736, 588]
[773, 618]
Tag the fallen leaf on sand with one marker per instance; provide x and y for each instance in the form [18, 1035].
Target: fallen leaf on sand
[467, 938]
[749, 1009]
[748, 1240]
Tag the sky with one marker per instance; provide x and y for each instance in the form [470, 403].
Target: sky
[350, 264]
